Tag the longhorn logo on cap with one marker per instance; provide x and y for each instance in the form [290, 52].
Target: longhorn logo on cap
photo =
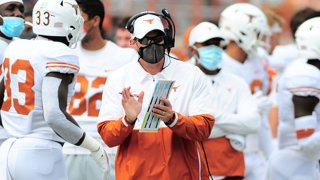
[150, 21]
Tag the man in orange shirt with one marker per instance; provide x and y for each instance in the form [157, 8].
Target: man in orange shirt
[170, 153]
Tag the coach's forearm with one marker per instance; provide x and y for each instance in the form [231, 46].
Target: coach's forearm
[115, 132]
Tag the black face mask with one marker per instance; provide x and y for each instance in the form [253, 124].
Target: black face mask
[152, 53]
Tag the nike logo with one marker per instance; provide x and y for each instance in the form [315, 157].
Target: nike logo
[107, 71]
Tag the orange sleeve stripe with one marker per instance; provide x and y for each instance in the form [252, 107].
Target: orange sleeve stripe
[63, 63]
[56, 66]
[304, 133]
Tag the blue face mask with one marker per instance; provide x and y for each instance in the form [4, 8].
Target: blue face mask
[12, 26]
[210, 57]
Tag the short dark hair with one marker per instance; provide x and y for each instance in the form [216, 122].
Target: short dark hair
[301, 16]
[121, 22]
[93, 8]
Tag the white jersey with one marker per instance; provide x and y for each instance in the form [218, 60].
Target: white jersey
[95, 67]
[282, 56]
[25, 65]
[300, 79]
[253, 71]
[290, 161]
[3, 45]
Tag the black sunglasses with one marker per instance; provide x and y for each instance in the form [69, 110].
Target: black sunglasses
[148, 40]
[213, 41]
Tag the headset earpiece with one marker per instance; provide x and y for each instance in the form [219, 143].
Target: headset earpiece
[168, 38]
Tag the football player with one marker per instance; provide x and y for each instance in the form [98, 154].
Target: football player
[98, 57]
[244, 26]
[12, 25]
[299, 110]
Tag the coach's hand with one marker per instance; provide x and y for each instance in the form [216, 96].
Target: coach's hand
[131, 105]
[164, 112]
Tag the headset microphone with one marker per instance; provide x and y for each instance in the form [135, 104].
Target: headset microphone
[166, 13]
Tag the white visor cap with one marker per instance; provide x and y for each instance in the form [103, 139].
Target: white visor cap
[203, 32]
[144, 24]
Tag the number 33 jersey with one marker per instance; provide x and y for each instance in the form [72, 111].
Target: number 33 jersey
[25, 64]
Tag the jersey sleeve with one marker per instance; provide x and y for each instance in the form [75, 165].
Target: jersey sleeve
[303, 79]
[62, 59]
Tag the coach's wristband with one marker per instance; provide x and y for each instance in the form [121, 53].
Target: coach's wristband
[131, 123]
[168, 123]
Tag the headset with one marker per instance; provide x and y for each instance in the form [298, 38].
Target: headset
[170, 31]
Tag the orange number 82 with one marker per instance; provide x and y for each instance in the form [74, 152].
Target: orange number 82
[85, 104]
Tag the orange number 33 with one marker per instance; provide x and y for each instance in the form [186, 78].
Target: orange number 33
[23, 87]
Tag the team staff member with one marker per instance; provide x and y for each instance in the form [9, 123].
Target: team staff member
[232, 98]
[12, 14]
[172, 152]
[98, 57]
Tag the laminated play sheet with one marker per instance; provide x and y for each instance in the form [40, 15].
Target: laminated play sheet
[162, 89]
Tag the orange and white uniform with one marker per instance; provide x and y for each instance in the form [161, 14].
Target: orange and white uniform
[252, 71]
[95, 67]
[237, 116]
[3, 45]
[21, 111]
[170, 153]
[35, 148]
[290, 161]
